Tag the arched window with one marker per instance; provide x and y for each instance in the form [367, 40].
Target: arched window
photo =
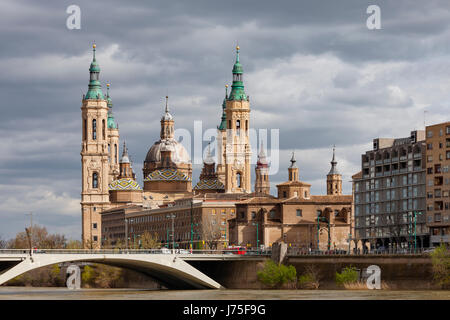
[95, 180]
[246, 126]
[94, 129]
[238, 180]
[115, 153]
[104, 129]
[109, 152]
[238, 127]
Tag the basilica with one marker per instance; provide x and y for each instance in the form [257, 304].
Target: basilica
[116, 206]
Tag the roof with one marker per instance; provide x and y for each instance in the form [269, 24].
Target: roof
[124, 184]
[295, 184]
[209, 184]
[169, 174]
[357, 175]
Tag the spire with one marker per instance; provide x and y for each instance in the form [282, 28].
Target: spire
[223, 123]
[237, 88]
[167, 116]
[333, 162]
[293, 161]
[209, 159]
[111, 121]
[95, 88]
[125, 158]
[262, 161]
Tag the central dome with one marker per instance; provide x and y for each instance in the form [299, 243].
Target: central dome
[178, 152]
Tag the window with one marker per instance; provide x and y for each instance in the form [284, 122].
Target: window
[94, 129]
[213, 211]
[299, 212]
[430, 170]
[429, 146]
[232, 211]
[95, 238]
[447, 155]
[238, 127]
[223, 211]
[430, 159]
[95, 180]
[284, 194]
[272, 214]
[103, 129]
[356, 186]
[94, 226]
[253, 214]
[437, 217]
[447, 129]
[429, 134]
[238, 180]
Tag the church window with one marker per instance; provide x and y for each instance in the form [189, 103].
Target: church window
[104, 129]
[95, 180]
[272, 214]
[94, 226]
[238, 180]
[238, 127]
[284, 194]
[115, 153]
[229, 124]
[94, 129]
[299, 212]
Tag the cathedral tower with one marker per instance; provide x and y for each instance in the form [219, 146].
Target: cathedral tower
[238, 150]
[222, 140]
[262, 184]
[334, 179]
[113, 140]
[94, 158]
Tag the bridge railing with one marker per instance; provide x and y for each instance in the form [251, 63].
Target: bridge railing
[134, 251]
[390, 251]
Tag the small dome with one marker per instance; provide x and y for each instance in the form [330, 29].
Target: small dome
[179, 153]
[124, 184]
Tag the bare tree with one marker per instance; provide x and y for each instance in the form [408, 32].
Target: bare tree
[40, 238]
[3, 243]
[211, 232]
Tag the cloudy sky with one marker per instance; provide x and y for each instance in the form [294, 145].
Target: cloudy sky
[313, 70]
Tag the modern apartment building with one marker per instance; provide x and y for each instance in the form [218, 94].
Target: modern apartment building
[389, 194]
[438, 182]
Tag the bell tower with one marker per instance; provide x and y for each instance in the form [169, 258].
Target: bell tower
[94, 158]
[334, 179]
[238, 150]
[262, 184]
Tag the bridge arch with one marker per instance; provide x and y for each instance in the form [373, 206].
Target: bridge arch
[168, 269]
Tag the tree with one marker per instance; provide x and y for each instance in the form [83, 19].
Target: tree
[74, 244]
[211, 232]
[3, 243]
[440, 258]
[149, 241]
[275, 275]
[40, 238]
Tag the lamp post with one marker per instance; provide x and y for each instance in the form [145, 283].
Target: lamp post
[172, 216]
[192, 225]
[415, 229]
[257, 238]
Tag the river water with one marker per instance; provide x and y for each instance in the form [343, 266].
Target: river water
[32, 293]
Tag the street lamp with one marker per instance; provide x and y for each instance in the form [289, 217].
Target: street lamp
[257, 238]
[172, 216]
[415, 213]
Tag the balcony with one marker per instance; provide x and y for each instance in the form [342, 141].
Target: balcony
[403, 170]
[387, 161]
[439, 239]
[402, 158]
[395, 159]
[379, 162]
[387, 173]
[394, 171]
[417, 168]
[417, 155]
[379, 174]
[365, 164]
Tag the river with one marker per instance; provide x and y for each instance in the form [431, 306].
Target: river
[32, 293]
